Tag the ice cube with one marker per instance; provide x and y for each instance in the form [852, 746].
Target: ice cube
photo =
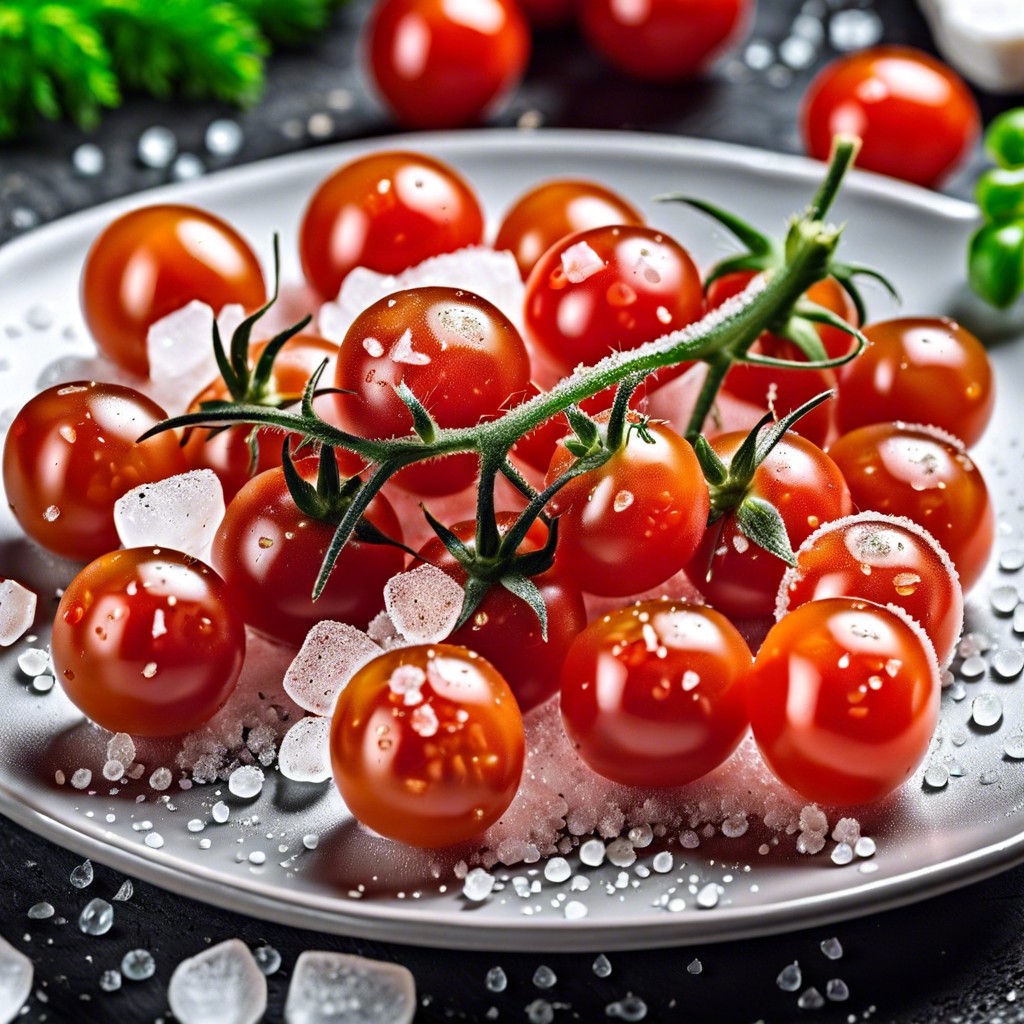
[424, 603]
[485, 272]
[221, 985]
[330, 655]
[17, 610]
[15, 981]
[331, 987]
[304, 754]
[181, 512]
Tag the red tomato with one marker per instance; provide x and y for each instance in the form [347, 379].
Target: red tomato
[885, 560]
[663, 40]
[924, 370]
[926, 475]
[915, 116]
[146, 642]
[438, 341]
[634, 522]
[445, 64]
[609, 288]
[805, 485]
[270, 554]
[548, 13]
[655, 694]
[153, 261]
[844, 697]
[226, 452]
[554, 209]
[385, 211]
[71, 453]
[505, 630]
[427, 745]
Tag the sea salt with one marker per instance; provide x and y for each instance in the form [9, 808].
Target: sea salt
[330, 655]
[246, 782]
[424, 604]
[221, 985]
[305, 751]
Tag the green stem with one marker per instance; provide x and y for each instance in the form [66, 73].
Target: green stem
[717, 370]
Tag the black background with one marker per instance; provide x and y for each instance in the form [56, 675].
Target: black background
[957, 958]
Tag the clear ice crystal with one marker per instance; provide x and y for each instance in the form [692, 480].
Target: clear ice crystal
[16, 974]
[17, 610]
[246, 782]
[327, 988]
[602, 966]
[790, 977]
[220, 985]
[181, 512]
[330, 655]
[81, 876]
[96, 918]
[832, 948]
[478, 885]
[138, 965]
[987, 710]
[837, 990]
[424, 604]
[811, 999]
[305, 752]
[496, 980]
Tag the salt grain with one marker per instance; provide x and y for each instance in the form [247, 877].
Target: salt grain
[602, 966]
[305, 751]
[82, 876]
[222, 984]
[986, 710]
[96, 918]
[40, 911]
[496, 980]
[790, 977]
[424, 604]
[811, 999]
[478, 885]
[125, 892]
[330, 655]
[138, 965]
[836, 989]
[246, 782]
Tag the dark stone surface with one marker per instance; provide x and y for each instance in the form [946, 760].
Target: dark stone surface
[959, 957]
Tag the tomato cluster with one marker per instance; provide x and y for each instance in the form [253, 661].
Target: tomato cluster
[428, 742]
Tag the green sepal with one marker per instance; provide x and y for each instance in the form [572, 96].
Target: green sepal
[770, 438]
[714, 469]
[588, 437]
[800, 331]
[756, 241]
[526, 590]
[473, 592]
[760, 522]
[456, 547]
[422, 422]
[846, 274]
[533, 563]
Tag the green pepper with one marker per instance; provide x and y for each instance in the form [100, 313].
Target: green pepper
[996, 262]
[1000, 193]
[1004, 139]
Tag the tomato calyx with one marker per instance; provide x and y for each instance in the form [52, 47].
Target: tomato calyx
[729, 485]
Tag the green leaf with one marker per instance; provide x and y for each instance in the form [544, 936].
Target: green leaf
[289, 22]
[760, 522]
[526, 590]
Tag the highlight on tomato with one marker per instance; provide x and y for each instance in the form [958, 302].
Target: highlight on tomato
[154, 260]
[71, 452]
[885, 559]
[655, 694]
[843, 699]
[427, 745]
[147, 642]
[387, 212]
[925, 474]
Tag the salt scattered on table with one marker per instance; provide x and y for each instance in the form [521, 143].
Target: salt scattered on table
[496, 980]
[16, 973]
[987, 710]
[305, 751]
[478, 885]
[268, 960]
[138, 965]
[34, 661]
[630, 1008]
[221, 985]
[96, 918]
[81, 877]
[790, 977]
[836, 990]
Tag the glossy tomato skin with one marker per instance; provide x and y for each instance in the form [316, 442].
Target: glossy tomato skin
[609, 288]
[427, 745]
[387, 212]
[149, 263]
[662, 40]
[554, 209]
[805, 485]
[506, 631]
[915, 116]
[655, 694]
[922, 370]
[70, 453]
[882, 559]
[843, 698]
[440, 64]
[146, 642]
[226, 452]
[459, 354]
[926, 475]
[269, 554]
[635, 521]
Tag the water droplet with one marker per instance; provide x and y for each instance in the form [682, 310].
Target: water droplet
[759, 55]
[602, 966]
[110, 981]
[708, 896]
[836, 989]
[790, 977]
[1004, 600]
[544, 977]
[187, 166]
[157, 147]
[496, 980]
[694, 966]
[96, 918]
[88, 160]
[812, 999]
[557, 869]
[81, 877]
[937, 776]
[268, 960]
[138, 965]
[973, 667]
[854, 29]
[986, 710]
[1012, 561]
[842, 854]
[1008, 664]
[223, 137]
[40, 911]
[832, 948]
[631, 1008]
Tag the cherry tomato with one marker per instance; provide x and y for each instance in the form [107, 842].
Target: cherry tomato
[387, 212]
[882, 559]
[926, 475]
[153, 261]
[655, 694]
[915, 116]
[843, 698]
[544, 14]
[146, 642]
[927, 370]
[554, 209]
[663, 40]
[70, 453]
[505, 630]
[440, 64]
[805, 485]
[609, 288]
[460, 356]
[427, 745]
[227, 453]
[270, 554]
[634, 522]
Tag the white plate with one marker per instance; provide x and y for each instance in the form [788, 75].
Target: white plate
[927, 841]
